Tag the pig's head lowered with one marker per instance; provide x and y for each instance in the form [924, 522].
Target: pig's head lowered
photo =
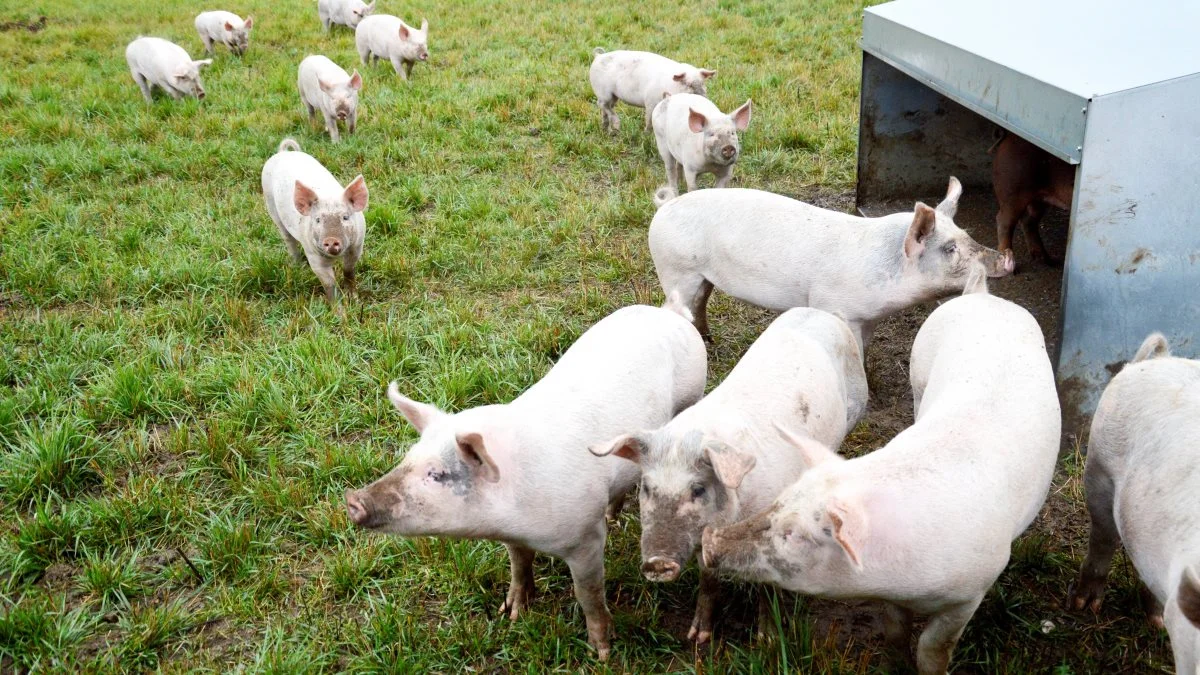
[721, 146]
[331, 216]
[692, 80]
[687, 483]
[940, 254]
[415, 42]
[237, 38]
[186, 78]
[360, 10]
[343, 97]
[442, 484]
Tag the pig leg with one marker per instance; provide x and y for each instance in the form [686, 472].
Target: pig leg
[586, 562]
[407, 69]
[939, 637]
[331, 126]
[521, 589]
[897, 631]
[1088, 590]
[614, 508]
[364, 55]
[672, 168]
[723, 175]
[1006, 222]
[706, 600]
[349, 264]
[208, 44]
[144, 86]
[649, 117]
[1033, 234]
[312, 112]
[324, 272]
[1152, 607]
[352, 121]
[689, 177]
[608, 116]
[398, 64]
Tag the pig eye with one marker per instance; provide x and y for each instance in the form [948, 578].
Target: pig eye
[345, 218]
[697, 492]
[949, 248]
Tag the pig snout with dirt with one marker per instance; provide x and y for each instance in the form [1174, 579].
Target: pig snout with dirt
[326, 87]
[343, 12]
[387, 37]
[1142, 486]
[521, 472]
[640, 79]
[925, 523]
[1026, 180]
[780, 253]
[155, 62]
[722, 460]
[225, 28]
[695, 137]
[317, 218]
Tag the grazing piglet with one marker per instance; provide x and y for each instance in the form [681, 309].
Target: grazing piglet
[343, 12]
[387, 37]
[1142, 485]
[521, 473]
[315, 216]
[1027, 179]
[925, 523]
[155, 62]
[695, 137]
[721, 460]
[225, 28]
[779, 253]
[326, 87]
[640, 79]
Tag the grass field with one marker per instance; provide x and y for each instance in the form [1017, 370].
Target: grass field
[181, 412]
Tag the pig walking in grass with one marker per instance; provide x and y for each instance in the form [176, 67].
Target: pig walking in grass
[224, 28]
[388, 38]
[155, 62]
[925, 523]
[640, 79]
[695, 137]
[326, 87]
[343, 12]
[1143, 489]
[317, 219]
[779, 253]
[521, 472]
[722, 459]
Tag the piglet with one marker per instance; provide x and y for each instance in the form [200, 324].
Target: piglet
[343, 12]
[1142, 485]
[1027, 179]
[387, 37]
[326, 87]
[155, 62]
[225, 28]
[927, 522]
[779, 253]
[640, 79]
[521, 473]
[695, 137]
[317, 219]
[721, 460]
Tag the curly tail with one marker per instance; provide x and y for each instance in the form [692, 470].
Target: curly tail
[1153, 347]
[597, 51]
[663, 195]
[288, 144]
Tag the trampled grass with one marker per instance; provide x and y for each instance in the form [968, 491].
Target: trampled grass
[180, 412]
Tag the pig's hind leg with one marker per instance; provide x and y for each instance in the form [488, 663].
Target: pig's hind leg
[941, 635]
[1033, 234]
[1088, 590]
[521, 588]
[144, 85]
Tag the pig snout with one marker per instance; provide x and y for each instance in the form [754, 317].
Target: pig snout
[332, 245]
[728, 152]
[358, 508]
[734, 544]
[998, 264]
[424, 56]
[661, 569]
[341, 115]
[200, 94]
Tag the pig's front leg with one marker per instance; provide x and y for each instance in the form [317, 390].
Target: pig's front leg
[724, 175]
[521, 589]
[689, 177]
[587, 572]
[398, 64]
[324, 271]
[407, 69]
[349, 264]
[940, 635]
[331, 127]
[352, 121]
[1088, 590]
[706, 601]
[897, 632]
[649, 117]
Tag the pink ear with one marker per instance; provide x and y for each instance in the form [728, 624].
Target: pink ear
[303, 198]
[812, 451]
[420, 415]
[356, 193]
[228, 26]
[249, 22]
[627, 446]
[679, 77]
[706, 73]
[696, 121]
[730, 465]
[849, 528]
[473, 451]
[922, 226]
[356, 81]
[741, 116]
[403, 32]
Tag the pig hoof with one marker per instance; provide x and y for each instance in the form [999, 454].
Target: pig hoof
[1089, 594]
[700, 636]
[1156, 620]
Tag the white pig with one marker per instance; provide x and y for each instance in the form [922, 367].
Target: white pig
[927, 522]
[1142, 485]
[225, 28]
[521, 473]
[155, 62]
[721, 460]
[695, 137]
[780, 253]
[343, 12]
[640, 79]
[387, 37]
[326, 87]
[317, 219]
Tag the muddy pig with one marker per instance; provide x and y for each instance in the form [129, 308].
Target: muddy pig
[1027, 179]
[695, 137]
[640, 79]
[326, 87]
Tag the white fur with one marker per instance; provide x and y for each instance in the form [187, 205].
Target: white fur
[326, 87]
[212, 29]
[379, 37]
[685, 149]
[640, 79]
[155, 62]
[343, 12]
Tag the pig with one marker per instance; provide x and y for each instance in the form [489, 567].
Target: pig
[1141, 484]
[695, 137]
[155, 62]
[925, 523]
[343, 12]
[226, 28]
[721, 461]
[317, 219]
[521, 473]
[780, 253]
[1026, 180]
[326, 87]
[640, 79]
[387, 37]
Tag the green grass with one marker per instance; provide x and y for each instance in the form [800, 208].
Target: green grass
[180, 412]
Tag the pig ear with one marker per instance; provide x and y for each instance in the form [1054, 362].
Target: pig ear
[922, 226]
[355, 81]
[202, 62]
[696, 121]
[949, 204]
[474, 452]
[812, 451]
[325, 86]
[424, 26]
[303, 198]
[356, 194]
[1189, 596]
[849, 527]
[228, 26]
[249, 22]
[403, 32]
[679, 77]
[420, 415]
[730, 465]
[741, 116]
[627, 446]
[706, 73]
